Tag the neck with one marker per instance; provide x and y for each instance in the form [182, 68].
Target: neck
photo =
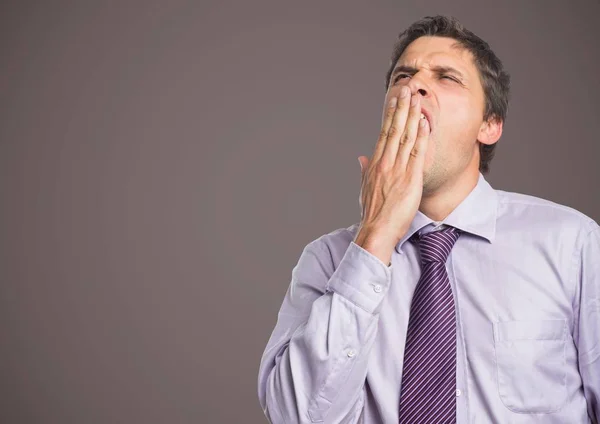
[440, 202]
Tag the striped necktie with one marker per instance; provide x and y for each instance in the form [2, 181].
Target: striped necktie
[428, 388]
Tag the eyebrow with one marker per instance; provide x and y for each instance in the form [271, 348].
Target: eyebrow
[438, 69]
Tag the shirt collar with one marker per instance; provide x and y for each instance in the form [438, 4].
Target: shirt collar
[476, 214]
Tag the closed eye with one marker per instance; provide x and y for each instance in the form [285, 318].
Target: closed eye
[406, 75]
[399, 76]
[450, 78]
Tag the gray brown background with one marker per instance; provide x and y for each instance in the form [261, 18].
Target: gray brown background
[162, 165]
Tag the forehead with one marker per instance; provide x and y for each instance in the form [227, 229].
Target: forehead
[438, 51]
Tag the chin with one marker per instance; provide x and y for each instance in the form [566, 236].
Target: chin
[428, 185]
[433, 178]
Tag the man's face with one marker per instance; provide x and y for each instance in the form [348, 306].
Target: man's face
[455, 101]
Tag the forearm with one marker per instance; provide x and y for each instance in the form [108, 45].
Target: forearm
[324, 366]
[316, 364]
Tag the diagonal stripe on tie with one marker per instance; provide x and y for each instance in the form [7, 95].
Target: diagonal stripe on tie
[429, 370]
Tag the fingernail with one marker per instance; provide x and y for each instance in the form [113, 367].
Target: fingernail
[393, 102]
[404, 92]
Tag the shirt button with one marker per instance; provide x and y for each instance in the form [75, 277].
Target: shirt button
[458, 392]
[377, 288]
[351, 353]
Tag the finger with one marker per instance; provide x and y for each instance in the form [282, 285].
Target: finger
[398, 128]
[409, 136]
[389, 114]
[416, 158]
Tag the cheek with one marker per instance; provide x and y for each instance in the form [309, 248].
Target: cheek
[459, 123]
[456, 117]
[433, 150]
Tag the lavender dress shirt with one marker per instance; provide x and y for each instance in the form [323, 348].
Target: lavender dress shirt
[525, 277]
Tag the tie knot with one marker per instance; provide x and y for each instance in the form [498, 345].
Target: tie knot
[435, 246]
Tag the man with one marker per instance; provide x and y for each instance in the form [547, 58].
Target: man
[450, 301]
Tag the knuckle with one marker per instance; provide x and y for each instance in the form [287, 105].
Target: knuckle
[383, 134]
[389, 114]
[393, 132]
[381, 166]
[405, 138]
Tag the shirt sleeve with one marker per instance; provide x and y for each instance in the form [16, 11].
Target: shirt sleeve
[588, 325]
[315, 363]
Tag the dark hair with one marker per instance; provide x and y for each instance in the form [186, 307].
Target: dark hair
[494, 79]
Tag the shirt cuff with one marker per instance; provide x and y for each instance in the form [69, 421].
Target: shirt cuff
[362, 278]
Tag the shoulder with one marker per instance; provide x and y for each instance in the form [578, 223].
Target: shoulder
[539, 213]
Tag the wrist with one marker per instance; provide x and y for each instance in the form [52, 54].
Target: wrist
[375, 243]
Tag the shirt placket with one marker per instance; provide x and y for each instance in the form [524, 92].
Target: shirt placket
[462, 407]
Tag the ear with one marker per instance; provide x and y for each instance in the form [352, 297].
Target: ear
[490, 131]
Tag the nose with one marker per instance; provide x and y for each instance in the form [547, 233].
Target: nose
[422, 91]
[417, 85]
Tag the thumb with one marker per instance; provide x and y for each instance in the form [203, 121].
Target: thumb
[364, 162]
